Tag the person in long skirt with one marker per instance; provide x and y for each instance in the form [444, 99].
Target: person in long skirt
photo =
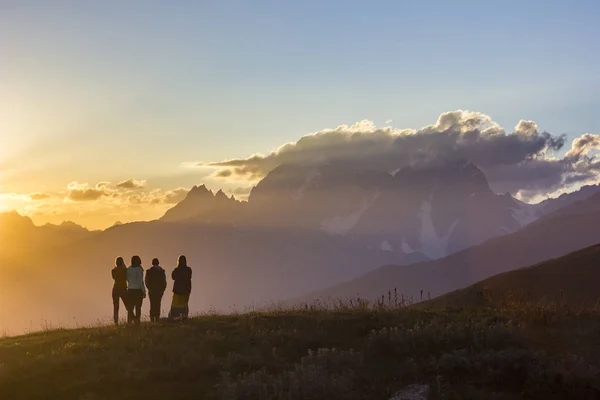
[182, 288]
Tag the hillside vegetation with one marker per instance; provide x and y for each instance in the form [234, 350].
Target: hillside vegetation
[357, 351]
[571, 280]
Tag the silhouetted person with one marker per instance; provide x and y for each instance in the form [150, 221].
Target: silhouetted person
[156, 282]
[119, 291]
[136, 291]
[182, 288]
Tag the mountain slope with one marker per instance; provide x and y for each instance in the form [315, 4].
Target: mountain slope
[552, 236]
[549, 206]
[569, 280]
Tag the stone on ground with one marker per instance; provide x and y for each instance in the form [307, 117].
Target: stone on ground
[412, 392]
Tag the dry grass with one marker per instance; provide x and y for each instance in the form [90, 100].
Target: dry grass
[345, 350]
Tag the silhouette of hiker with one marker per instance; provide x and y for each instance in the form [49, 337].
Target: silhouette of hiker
[182, 288]
[156, 282]
[136, 291]
[119, 291]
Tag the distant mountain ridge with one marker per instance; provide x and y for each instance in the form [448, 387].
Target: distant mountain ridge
[18, 234]
[429, 213]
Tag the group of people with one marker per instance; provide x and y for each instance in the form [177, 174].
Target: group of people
[130, 287]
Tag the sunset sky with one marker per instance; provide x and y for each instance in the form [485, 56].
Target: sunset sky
[109, 109]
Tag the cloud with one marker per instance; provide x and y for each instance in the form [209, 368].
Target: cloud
[102, 185]
[223, 173]
[582, 146]
[131, 183]
[243, 190]
[113, 196]
[39, 196]
[521, 160]
[174, 196]
[88, 194]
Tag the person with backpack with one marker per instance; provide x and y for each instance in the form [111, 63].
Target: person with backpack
[119, 291]
[182, 288]
[156, 282]
[136, 291]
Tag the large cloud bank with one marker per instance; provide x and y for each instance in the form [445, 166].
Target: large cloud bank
[522, 162]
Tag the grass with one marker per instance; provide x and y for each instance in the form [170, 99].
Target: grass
[355, 351]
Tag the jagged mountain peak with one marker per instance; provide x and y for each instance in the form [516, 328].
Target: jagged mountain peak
[201, 190]
[221, 195]
[202, 204]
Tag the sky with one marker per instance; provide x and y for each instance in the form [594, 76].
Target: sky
[110, 110]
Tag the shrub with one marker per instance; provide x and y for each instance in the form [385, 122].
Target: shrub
[326, 373]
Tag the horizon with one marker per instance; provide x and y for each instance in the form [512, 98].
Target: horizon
[115, 223]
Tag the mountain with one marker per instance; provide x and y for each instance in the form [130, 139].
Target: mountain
[328, 197]
[18, 234]
[426, 212]
[571, 280]
[202, 205]
[437, 211]
[568, 229]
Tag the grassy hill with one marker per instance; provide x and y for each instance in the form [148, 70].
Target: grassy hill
[354, 352]
[571, 280]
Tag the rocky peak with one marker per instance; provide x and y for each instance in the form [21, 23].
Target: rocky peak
[200, 191]
[220, 195]
[202, 204]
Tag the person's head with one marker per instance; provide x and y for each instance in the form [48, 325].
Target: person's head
[182, 261]
[155, 262]
[136, 261]
[119, 262]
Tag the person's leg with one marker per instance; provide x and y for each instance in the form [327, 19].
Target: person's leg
[158, 305]
[140, 303]
[124, 299]
[186, 311]
[130, 305]
[153, 298]
[115, 299]
[138, 306]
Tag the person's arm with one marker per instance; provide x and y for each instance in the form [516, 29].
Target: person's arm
[164, 281]
[142, 282]
[146, 281]
[113, 273]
